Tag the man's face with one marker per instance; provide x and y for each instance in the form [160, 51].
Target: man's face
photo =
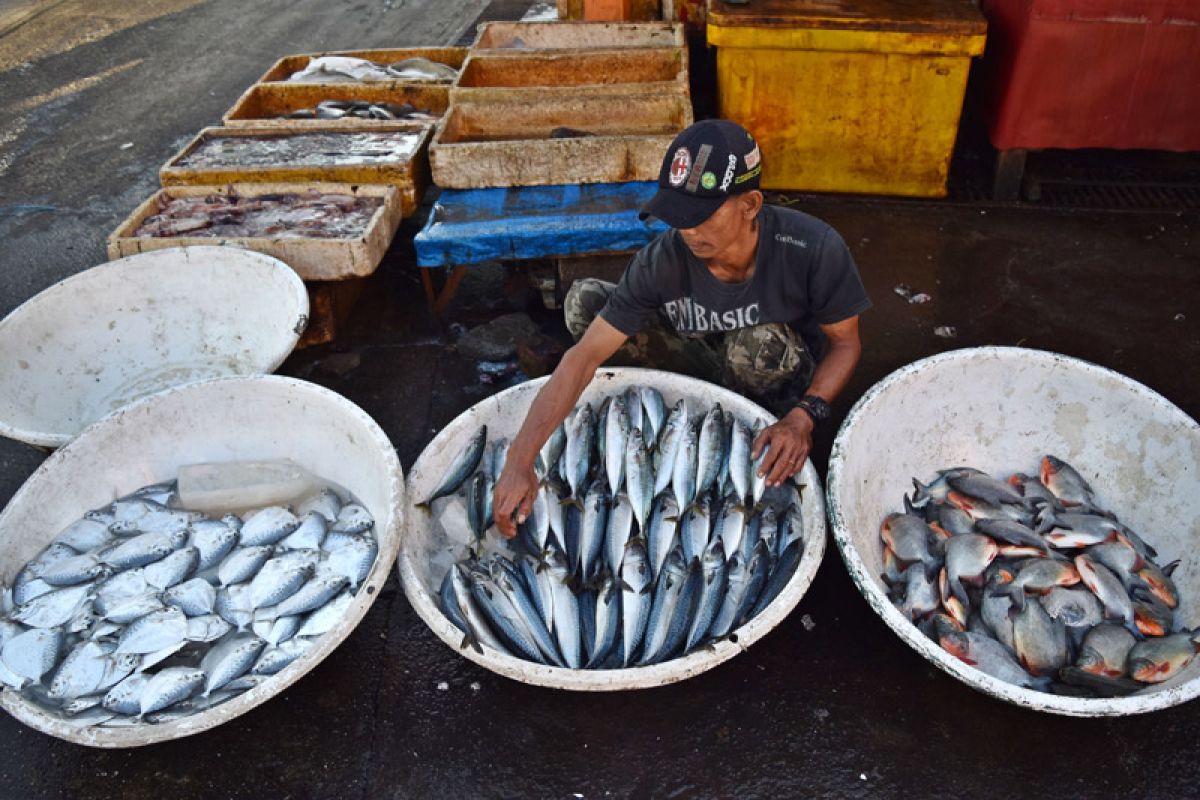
[727, 225]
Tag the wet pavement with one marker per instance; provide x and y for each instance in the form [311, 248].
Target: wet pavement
[829, 704]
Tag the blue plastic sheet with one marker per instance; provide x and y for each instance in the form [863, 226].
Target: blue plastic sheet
[470, 226]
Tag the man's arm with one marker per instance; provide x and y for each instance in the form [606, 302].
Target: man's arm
[517, 485]
[790, 439]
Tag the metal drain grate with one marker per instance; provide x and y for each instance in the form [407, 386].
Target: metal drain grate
[1115, 195]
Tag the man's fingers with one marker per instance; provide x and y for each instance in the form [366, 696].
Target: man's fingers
[760, 441]
[782, 466]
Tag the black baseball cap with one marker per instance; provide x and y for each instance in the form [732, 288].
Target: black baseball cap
[706, 164]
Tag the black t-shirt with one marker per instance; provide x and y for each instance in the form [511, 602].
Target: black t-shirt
[804, 276]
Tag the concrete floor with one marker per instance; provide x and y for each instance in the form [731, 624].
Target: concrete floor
[841, 710]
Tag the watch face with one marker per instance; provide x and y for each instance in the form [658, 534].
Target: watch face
[817, 407]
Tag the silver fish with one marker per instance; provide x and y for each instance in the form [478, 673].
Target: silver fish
[275, 659]
[195, 598]
[566, 627]
[75, 570]
[54, 608]
[920, 596]
[499, 458]
[1077, 608]
[712, 593]
[268, 526]
[309, 534]
[479, 632]
[667, 593]
[577, 453]
[324, 618]
[88, 669]
[709, 448]
[620, 529]
[639, 478]
[233, 605]
[280, 630]
[320, 589]
[986, 488]
[243, 564]
[758, 483]
[607, 620]
[169, 686]
[175, 568]
[673, 432]
[551, 452]
[636, 585]
[462, 467]
[615, 435]
[84, 535]
[207, 628]
[909, 537]
[633, 404]
[214, 539]
[967, 558]
[125, 697]
[153, 632]
[683, 474]
[32, 654]
[354, 561]
[277, 581]
[591, 532]
[696, 529]
[131, 609]
[228, 660]
[654, 415]
[663, 533]
[740, 464]
[731, 527]
[504, 616]
[326, 502]
[144, 549]
[477, 488]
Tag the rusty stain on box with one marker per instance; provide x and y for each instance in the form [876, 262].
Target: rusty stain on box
[516, 76]
[567, 36]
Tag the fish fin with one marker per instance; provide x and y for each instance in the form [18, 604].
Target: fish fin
[649, 588]
[426, 505]
[909, 508]
[960, 594]
[1044, 520]
[920, 496]
[1170, 568]
[572, 501]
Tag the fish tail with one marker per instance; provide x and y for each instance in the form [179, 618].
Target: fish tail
[572, 501]
[921, 496]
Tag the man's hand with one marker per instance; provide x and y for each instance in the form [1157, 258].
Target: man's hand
[512, 499]
[788, 442]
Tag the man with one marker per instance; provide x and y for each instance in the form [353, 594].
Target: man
[761, 299]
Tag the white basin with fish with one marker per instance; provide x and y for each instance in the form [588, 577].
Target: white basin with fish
[427, 552]
[126, 329]
[1001, 409]
[229, 419]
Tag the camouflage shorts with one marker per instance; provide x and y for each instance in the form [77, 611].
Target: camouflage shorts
[768, 363]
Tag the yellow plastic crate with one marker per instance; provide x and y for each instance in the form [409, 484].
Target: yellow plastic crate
[859, 96]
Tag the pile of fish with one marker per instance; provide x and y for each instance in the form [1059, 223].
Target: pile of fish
[363, 109]
[302, 149]
[309, 215]
[144, 612]
[346, 69]
[651, 535]
[1033, 582]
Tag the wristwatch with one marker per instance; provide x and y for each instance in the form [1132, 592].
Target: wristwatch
[816, 408]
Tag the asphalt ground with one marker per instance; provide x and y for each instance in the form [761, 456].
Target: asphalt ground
[838, 707]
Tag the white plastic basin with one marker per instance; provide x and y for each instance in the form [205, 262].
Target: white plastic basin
[259, 417]
[1001, 409]
[124, 330]
[426, 554]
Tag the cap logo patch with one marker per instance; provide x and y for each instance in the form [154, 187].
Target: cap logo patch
[708, 180]
[752, 158]
[681, 165]
[698, 168]
[728, 177]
